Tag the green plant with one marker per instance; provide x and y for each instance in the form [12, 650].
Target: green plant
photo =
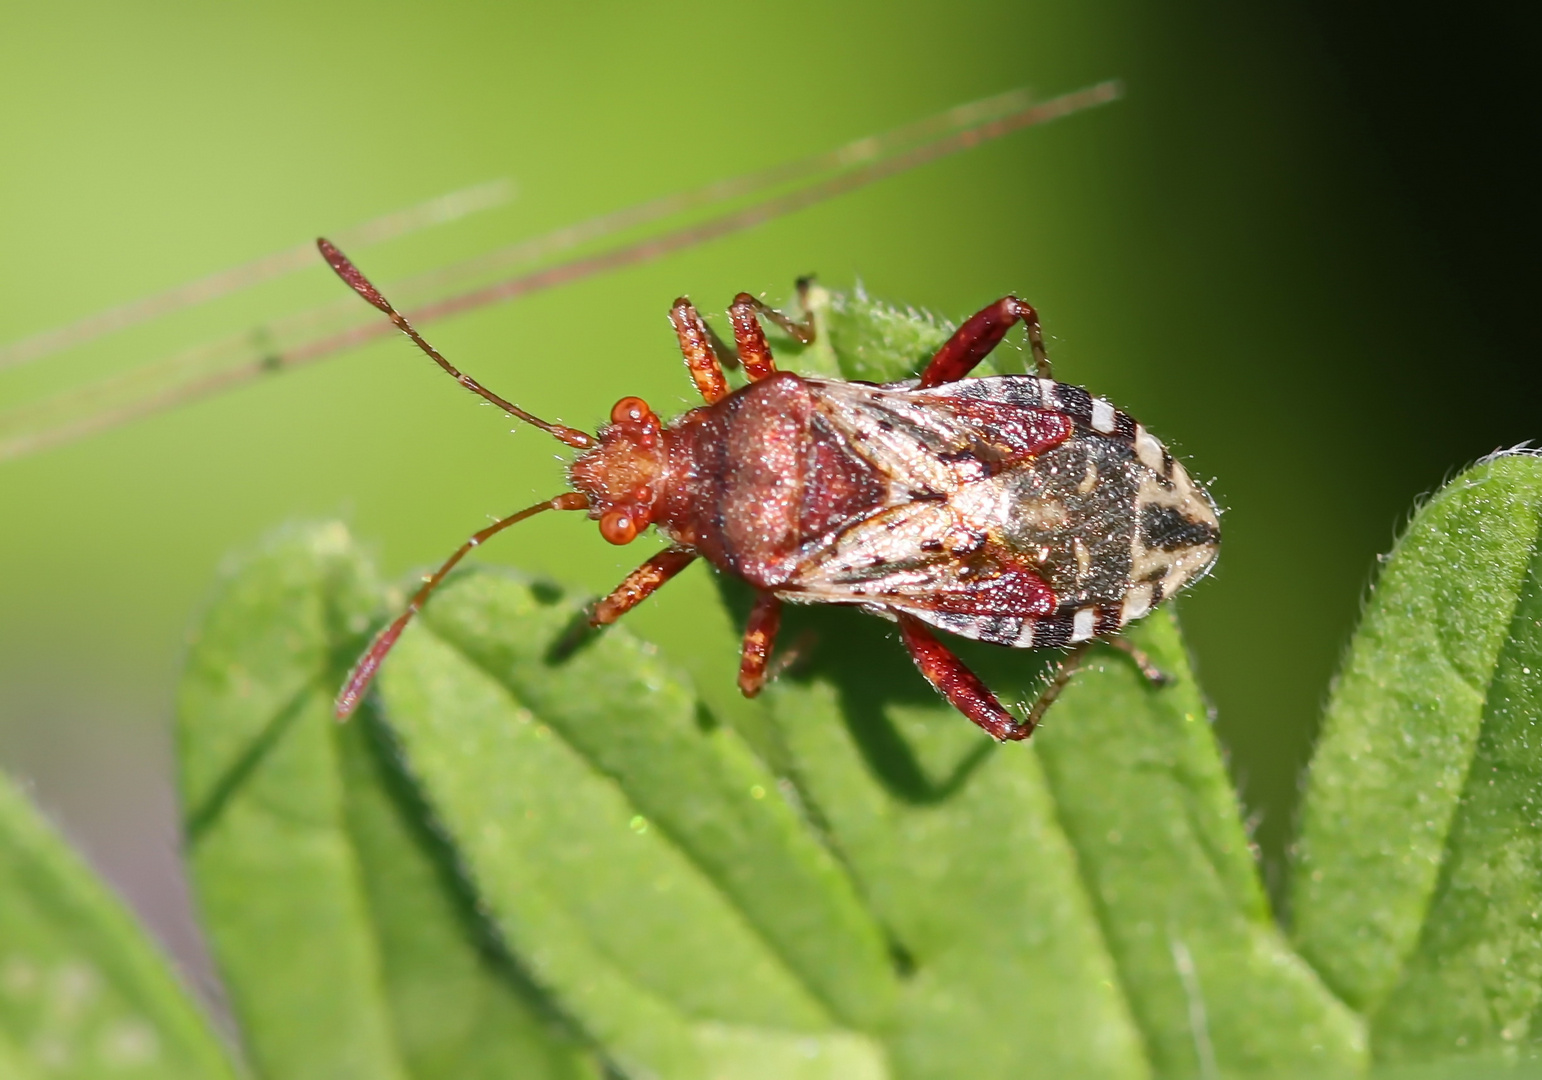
[511, 865]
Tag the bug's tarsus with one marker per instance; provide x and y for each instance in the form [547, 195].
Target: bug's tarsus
[355, 279]
[801, 332]
[982, 332]
[363, 672]
[1062, 676]
[1074, 659]
[803, 285]
[1148, 668]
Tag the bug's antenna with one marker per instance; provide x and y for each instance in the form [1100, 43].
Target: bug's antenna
[363, 672]
[360, 284]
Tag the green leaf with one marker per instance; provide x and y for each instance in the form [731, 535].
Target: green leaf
[1418, 876]
[349, 945]
[1466, 1068]
[1144, 795]
[636, 855]
[1098, 878]
[83, 993]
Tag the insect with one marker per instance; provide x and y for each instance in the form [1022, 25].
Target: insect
[1011, 509]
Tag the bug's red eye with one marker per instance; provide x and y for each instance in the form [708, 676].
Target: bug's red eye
[633, 409]
[618, 526]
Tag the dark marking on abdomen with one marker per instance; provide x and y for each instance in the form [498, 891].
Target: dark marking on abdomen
[1163, 528]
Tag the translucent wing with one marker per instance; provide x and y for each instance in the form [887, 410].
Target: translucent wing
[1020, 511]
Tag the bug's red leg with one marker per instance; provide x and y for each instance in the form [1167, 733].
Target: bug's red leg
[641, 584]
[701, 359]
[981, 333]
[759, 638]
[962, 687]
[750, 339]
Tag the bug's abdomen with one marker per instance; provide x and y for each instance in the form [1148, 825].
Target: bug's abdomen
[1111, 530]
[1029, 513]
[758, 477]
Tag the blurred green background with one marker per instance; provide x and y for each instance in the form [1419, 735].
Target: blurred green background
[1301, 250]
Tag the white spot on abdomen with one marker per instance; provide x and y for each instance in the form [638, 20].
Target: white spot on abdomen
[1136, 603]
[1082, 624]
[1148, 450]
[1102, 416]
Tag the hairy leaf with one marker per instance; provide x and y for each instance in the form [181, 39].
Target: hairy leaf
[349, 945]
[1143, 794]
[1097, 879]
[1418, 877]
[862, 906]
[83, 994]
[635, 852]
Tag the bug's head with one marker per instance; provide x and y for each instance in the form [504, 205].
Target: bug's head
[621, 475]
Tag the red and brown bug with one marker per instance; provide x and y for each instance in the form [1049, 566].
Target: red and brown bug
[1011, 509]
